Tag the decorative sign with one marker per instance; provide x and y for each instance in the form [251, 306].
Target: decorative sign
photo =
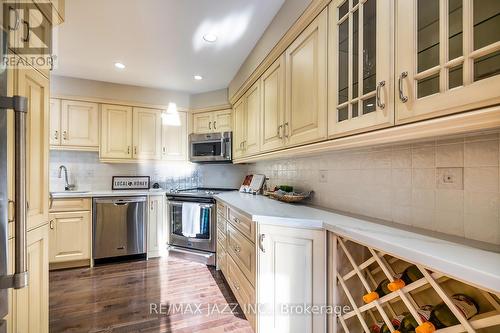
[130, 183]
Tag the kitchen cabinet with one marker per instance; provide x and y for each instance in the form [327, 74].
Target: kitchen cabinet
[116, 132]
[156, 226]
[53, 10]
[147, 133]
[212, 122]
[292, 270]
[69, 236]
[239, 132]
[246, 123]
[447, 57]
[35, 87]
[360, 66]
[272, 116]
[306, 84]
[74, 125]
[174, 140]
[30, 305]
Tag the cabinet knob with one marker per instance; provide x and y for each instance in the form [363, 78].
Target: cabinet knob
[56, 134]
[237, 249]
[65, 135]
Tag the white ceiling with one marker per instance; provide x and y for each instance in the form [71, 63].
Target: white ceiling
[160, 41]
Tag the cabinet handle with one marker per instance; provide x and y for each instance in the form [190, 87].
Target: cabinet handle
[152, 206]
[280, 127]
[51, 200]
[237, 249]
[209, 125]
[380, 85]
[51, 225]
[236, 286]
[13, 218]
[17, 20]
[128, 150]
[135, 150]
[65, 135]
[215, 123]
[27, 38]
[261, 243]
[236, 220]
[287, 129]
[56, 134]
[164, 150]
[402, 97]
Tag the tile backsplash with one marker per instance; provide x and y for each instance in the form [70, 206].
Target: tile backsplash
[87, 173]
[445, 185]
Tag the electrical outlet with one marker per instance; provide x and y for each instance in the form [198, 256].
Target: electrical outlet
[450, 178]
[323, 176]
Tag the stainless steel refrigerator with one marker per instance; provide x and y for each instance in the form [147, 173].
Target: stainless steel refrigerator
[18, 106]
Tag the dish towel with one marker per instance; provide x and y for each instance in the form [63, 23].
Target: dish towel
[190, 219]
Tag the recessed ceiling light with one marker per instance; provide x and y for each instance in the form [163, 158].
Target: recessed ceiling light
[119, 65]
[198, 77]
[210, 38]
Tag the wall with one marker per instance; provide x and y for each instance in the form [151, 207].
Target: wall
[207, 99]
[61, 85]
[284, 19]
[398, 184]
[88, 173]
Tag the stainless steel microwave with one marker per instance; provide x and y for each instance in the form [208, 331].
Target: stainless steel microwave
[210, 147]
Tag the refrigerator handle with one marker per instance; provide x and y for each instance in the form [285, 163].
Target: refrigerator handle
[20, 277]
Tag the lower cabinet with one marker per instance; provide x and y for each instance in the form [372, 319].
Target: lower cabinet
[156, 228]
[30, 305]
[70, 233]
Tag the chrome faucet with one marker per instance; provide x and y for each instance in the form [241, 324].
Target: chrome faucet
[67, 185]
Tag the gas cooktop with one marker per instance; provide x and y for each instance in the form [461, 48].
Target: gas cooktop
[198, 192]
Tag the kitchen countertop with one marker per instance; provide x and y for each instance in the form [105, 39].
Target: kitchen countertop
[463, 262]
[92, 194]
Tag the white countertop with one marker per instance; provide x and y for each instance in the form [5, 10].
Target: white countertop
[463, 262]
[92, 194]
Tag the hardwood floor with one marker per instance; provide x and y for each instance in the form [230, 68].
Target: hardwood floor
[126, 297]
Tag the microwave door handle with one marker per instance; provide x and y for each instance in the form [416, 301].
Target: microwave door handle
[222, 147]
[20, 277]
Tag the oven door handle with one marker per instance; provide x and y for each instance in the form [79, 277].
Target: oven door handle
[179, 203]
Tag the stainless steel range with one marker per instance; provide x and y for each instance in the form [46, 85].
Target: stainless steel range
[192, 220]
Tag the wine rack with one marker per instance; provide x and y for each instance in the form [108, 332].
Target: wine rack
[356, 269]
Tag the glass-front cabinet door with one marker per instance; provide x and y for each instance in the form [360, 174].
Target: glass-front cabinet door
[447, 57]
[360, 66]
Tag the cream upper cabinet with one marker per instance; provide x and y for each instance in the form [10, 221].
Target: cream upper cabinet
[222, 120]
[291, 270]
[447, 57]
[202, 122]
[306, 84]
[69, 236]
[251, 144]
[174, 140]
[55, 122]
[272, 116]
[213, 121]
[147, 133]
[31, 304]
[35, 86]
[79, 124]
[360, 64]
[239, 133]
[116, 132]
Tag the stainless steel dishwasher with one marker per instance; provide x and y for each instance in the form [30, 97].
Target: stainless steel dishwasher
[119, 227]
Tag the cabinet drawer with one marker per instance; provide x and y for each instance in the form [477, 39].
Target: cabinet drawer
[242, 251]
[242, 223]
[242, 289]
[221, 258]
[70, 204]
[222, 209]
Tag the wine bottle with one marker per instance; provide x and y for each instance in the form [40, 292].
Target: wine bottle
[409, 324]
[396, 321]
[409, 275]
[379, 292]
[376, 328]
[441, 316]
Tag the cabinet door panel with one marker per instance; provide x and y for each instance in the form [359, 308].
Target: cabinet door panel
[147, 134]
[273, 106]
[292, 270]
[360, 72]
[447, 62]
[251, 144]
[55, 122]
[156, 232]
[174, 140]
[222, 121]
[306, 100]
[69, 236]
[239, 132]
[202, 123]
[79, 124]
[35, 86]
[116, 131]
